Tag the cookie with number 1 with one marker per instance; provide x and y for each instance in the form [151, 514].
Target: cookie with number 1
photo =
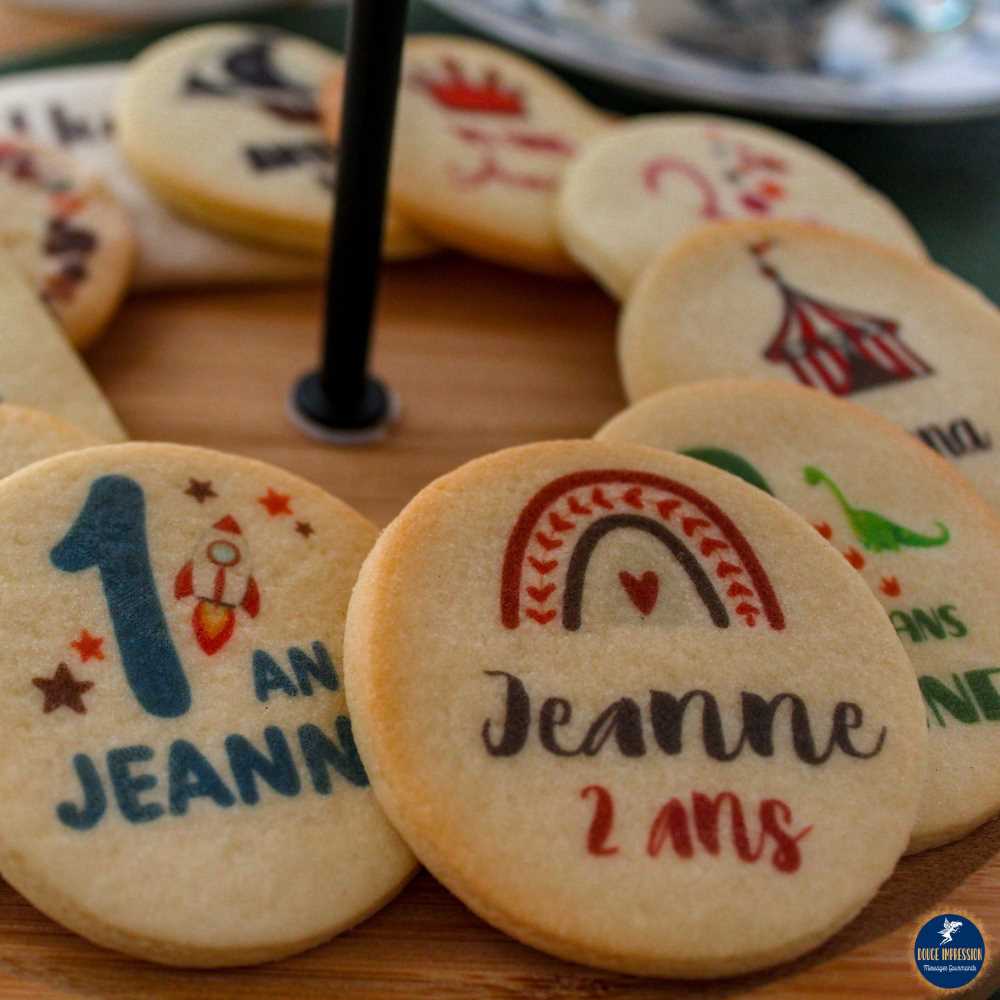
[482, 139]
[179, 775]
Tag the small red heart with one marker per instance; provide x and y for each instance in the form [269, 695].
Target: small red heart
[642, 591]
[824, 529]
[890, 586]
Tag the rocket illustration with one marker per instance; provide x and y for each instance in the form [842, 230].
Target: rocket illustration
[218, 578]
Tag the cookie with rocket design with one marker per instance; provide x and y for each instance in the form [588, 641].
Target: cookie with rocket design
[832, 311]
[38, 367]
[180, 780]
[482, 139]
[28, 435]
[223, 123]
[632, 710]
[653, 180]
[905, 520]
[67, 234]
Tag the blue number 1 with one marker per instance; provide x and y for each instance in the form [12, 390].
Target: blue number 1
[110, 533]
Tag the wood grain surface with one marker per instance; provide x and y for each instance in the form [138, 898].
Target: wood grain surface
[482, 358]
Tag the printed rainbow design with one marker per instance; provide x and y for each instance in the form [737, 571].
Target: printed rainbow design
[551, 544]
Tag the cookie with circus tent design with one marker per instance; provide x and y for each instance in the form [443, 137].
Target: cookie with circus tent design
[904, 519]
[632, 710]
[653, 180]
[482, 139]
[179, 771]
[67, 234]
[831, 311]
[223, 123]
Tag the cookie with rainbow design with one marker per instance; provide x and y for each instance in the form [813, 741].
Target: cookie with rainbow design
[632, 710]
[905, 520]
[482, 139]
[653, 180]
[179, 773]
[67, 234]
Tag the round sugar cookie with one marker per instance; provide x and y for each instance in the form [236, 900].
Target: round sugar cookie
[652, 180]
[633, 711]
[913, 528]
[831, 311]
[223, 123]
[28, 435]
[482, 140]
[178, 772]
[67, 234]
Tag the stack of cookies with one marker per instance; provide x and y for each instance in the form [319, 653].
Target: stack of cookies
[673, 701]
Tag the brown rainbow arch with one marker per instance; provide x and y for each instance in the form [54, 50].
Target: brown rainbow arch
[583, 507]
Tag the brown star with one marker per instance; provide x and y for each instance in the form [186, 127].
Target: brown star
[275, 503]
[62, 689]
[89, 646]
[304, 528]
[200, 489]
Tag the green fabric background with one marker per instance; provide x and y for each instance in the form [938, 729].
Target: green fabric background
[944, 176]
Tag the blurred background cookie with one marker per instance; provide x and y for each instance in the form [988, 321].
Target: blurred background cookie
[67, 234]
[482, 139]
[652, 180]
[223, 123]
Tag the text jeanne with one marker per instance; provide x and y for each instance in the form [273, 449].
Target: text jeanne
[623, 726]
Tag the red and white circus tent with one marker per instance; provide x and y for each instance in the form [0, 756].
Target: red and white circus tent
[837, 348]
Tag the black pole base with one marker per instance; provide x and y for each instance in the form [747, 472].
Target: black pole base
[314, 413]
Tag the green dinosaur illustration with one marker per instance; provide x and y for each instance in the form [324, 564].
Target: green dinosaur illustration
[732, 463]
[875, 532]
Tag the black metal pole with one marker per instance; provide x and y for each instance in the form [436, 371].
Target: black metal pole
[341, 402]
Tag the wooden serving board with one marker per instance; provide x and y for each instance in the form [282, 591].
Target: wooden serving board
[512, 359]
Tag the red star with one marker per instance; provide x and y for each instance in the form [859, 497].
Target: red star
[276, 504]
[62, 689]
[90, 647]
[304, 528]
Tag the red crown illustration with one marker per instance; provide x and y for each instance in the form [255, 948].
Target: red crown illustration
[453, 90]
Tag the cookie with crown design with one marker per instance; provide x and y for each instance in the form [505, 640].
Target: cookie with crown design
[482, 139]
[180, 776]
[653, 180]
[223, 123]
[67, 234]
[904, 519]
[633, 711]
[828, 310]
[39, 368]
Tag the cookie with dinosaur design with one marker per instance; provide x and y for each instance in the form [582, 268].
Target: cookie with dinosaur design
[38, 367]
[632, 710]
[482, 139]
[836, 312]
[178, 771]
[28, 435]
[223, 123]
[905, 520]
[653, 180]
[67, 234]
